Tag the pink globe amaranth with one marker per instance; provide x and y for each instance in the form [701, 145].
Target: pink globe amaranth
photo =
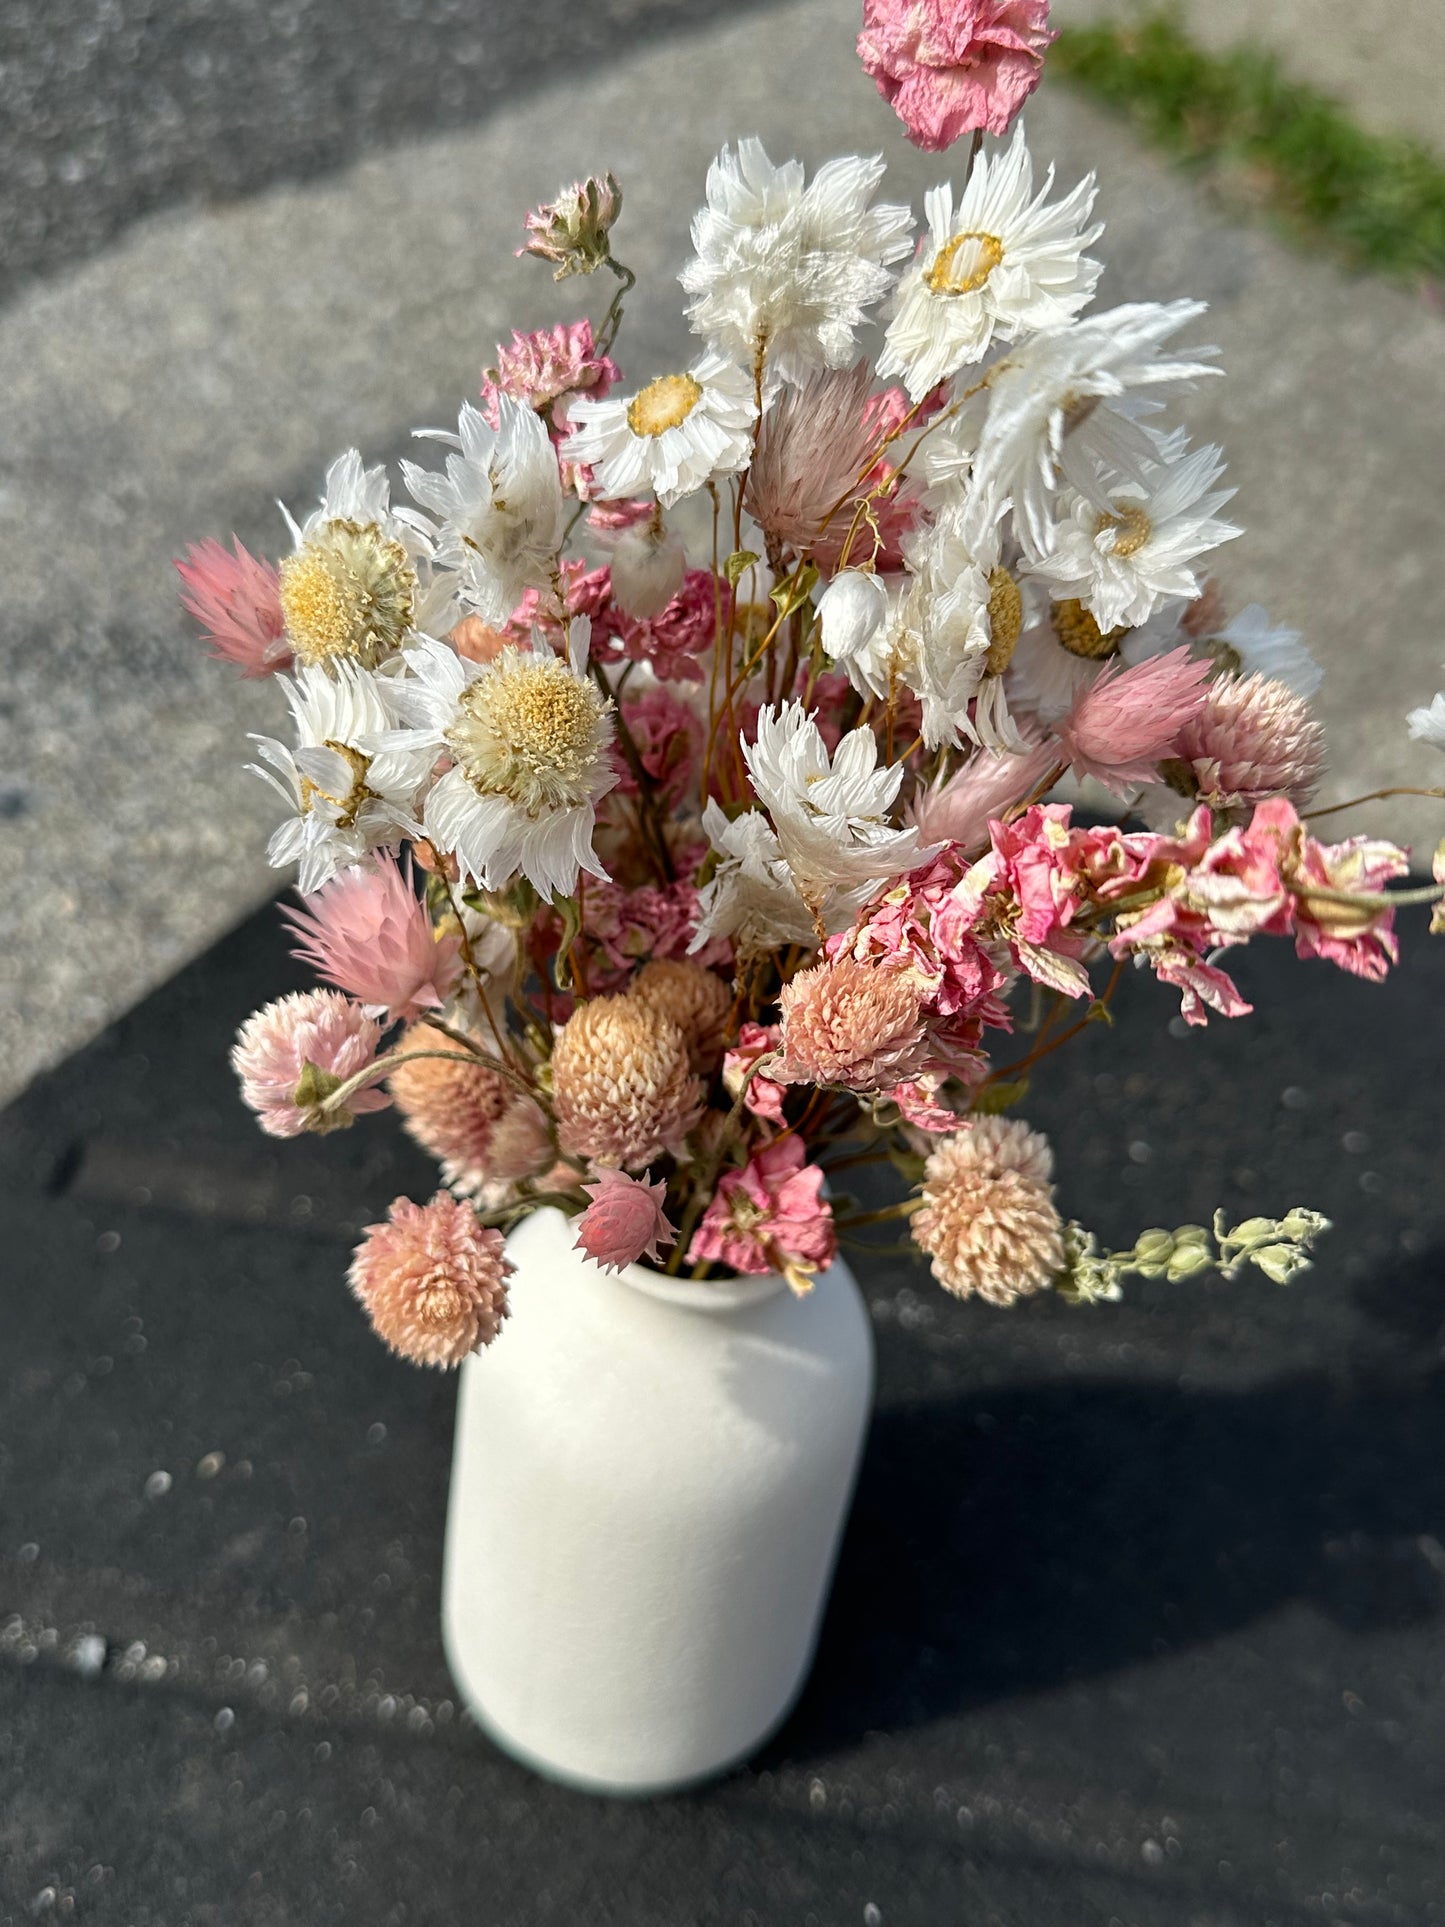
[432, 1280]
[952, 67]
[292, 1053]
[624, 1222]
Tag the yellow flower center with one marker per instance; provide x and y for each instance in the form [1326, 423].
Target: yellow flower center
[532, 730]
[1132, 528]
[663, 404]
[1005, 619]
[1077, 630]
[347, 591]
[350, 805]
[962, 265]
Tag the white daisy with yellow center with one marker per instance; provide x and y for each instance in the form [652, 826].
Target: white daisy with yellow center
[1123, 547]
[530, 738]
[672, 436]
[999, 264]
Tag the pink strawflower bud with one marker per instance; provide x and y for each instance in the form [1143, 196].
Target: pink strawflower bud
[1252, 738]
[990, 782]
[988, 1219]
[772, 1216]
[368, 933]
[624, 1222]
[856, 1025]
[237, 601]
[291, 1055]
[432, 1280]
[949, 67]
[572, 231]
[1125, 723]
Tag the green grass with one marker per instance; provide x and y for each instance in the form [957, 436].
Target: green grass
[1376, 200]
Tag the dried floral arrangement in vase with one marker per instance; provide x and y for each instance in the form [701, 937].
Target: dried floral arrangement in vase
[660, 885]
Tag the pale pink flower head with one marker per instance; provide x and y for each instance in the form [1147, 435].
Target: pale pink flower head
[291, 1055]
[859, 1026]
[1358, 935]
[623, 513]
[477, 641]
[1253, 738]
[572, 231]
[812, 453]
[368, 933]
[765, 1095]
[1125, 723]
[622, 1083]
[670, 642]
[236, 599]
[624, 1222]
[771, 1216]
[990, 782]
[988, 1219]
[950, 67]
[451, 1105]
[432, 1280]
[542, 368]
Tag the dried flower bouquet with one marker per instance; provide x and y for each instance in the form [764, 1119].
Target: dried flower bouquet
[660, 886]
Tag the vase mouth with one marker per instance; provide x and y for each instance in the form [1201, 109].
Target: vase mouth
[691, 1294]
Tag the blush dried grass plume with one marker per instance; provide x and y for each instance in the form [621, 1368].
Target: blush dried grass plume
[697, 1001]
[622, 1083]
[1123, 725]
[988, 1219]
[1252, 739]
[432, 1280]
[851, 1024]
[812, 449]
[291, 1055]
[368, 933]
[236, 599]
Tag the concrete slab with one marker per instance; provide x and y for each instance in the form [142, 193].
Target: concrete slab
[208, 362]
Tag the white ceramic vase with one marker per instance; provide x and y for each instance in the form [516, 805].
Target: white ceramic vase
[648, 1489]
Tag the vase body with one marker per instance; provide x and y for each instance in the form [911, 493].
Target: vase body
[649, 1484]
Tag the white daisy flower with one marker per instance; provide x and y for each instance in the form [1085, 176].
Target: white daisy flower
[360, 579]
[999, 265]
[1427, 724]
[672, 436]
[957, 629]
[788, 270]
[831, 814]
[499, 504]
[751, 897]
[1045, 677]
[1061, 406]
[1124, 559]
[1250, 645]
[529, 735]
[348, 785]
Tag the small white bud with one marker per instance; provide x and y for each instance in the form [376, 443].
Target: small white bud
[648, 566]
[852, 609]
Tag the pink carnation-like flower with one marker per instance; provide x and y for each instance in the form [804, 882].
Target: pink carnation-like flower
[771, 1216]
[667, 735]
[764, 1095]
[858, 1025]
[670, 642]
[1358, 936]
[616, 517]
[237, 601]
[368, 933]
[543, 368]
[294, 1053]
[432, 1280]
[1127, 721]
[624, 1222]
[949, 67]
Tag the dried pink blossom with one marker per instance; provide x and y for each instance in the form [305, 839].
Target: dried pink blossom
[432, 1280]
[670, 642]
[812, 453]
[988, 1219]
[627, 512]
[542, 368]
[624, 1222]
[451, 1105]
[764, 1095]
[291, 1055]
[667, 735]
[950, 67]
[771, 1216]
[860, 1026]
[236, 598]
[1125, 723]
[477, 641]
[368, 933]
[572, 231]
[622, 1083]
[992, 780]
[696, 999]
[1252, 739]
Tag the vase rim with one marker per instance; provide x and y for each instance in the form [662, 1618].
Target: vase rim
[691, 1294]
